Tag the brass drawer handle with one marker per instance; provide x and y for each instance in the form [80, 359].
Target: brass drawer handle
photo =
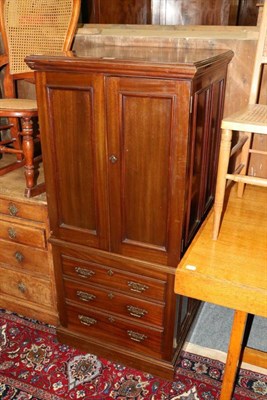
[19, 256]
[111, 295]
[136, 312]
[12, 234]
[111, 320]
[13, 210]
[22, 287]
[87, 320]
[136, 337]
[85, 296]
[137, 287]
[110, 272]
[84, 273]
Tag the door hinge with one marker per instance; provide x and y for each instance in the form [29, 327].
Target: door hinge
[191, 105]
[182, 246]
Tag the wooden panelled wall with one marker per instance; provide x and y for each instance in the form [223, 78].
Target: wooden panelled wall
[170, 12]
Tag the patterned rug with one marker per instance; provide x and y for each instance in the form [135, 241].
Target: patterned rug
[34, 366]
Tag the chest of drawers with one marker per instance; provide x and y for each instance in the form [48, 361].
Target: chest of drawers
[27, 283]
[105, 299]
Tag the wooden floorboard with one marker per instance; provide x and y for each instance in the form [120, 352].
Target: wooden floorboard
[12, 184]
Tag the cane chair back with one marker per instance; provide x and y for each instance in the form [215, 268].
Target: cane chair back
[260, 58]
[36, 27]
[29, 27]
[250, 121]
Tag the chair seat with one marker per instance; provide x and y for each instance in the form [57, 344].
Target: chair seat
[251, 119]
[18, 104]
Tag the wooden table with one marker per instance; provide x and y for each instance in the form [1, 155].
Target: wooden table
[231, 272]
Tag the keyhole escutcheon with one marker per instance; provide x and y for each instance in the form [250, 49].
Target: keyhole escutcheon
[113, 159]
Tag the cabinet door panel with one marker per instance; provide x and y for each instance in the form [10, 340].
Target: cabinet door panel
[78, 190]
[147, 142]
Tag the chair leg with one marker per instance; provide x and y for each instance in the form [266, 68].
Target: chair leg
[14, 132]
[14, 140]
[234, 354]
[28, 151]
[244, 162]
[224, 156]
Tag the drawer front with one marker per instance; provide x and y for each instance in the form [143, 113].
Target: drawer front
[107, 328]
[26, 287]
[139, 310]
[34, 212]
[132, 284]
[24, 257]
[22, 234]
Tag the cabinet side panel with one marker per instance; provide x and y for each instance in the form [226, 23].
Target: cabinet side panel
[213, 143]
[197, 163]
[204, 154]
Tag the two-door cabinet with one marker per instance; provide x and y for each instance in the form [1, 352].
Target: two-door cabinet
[130, 143]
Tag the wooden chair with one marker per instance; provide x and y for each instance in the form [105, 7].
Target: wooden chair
[29, 27]
[251, 120]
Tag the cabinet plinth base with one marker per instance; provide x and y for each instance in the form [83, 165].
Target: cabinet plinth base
[161, 368]
[119, 354]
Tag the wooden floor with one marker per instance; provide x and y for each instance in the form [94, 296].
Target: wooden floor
[12, 184]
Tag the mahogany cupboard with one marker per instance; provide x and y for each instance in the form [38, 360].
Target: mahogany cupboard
[130, 144]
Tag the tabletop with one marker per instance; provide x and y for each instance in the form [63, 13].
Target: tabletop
[232, 271]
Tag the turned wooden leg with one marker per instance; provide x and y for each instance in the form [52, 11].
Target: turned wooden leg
[234, 353]
[244, 162]
[224, 156]
[14, 132]
[28, 151]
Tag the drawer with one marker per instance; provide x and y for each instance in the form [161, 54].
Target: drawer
[132, 284]
[105, 327]
[34, 211]
[25, 287]
[109, 300]
[22, 234]
[24, 257]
